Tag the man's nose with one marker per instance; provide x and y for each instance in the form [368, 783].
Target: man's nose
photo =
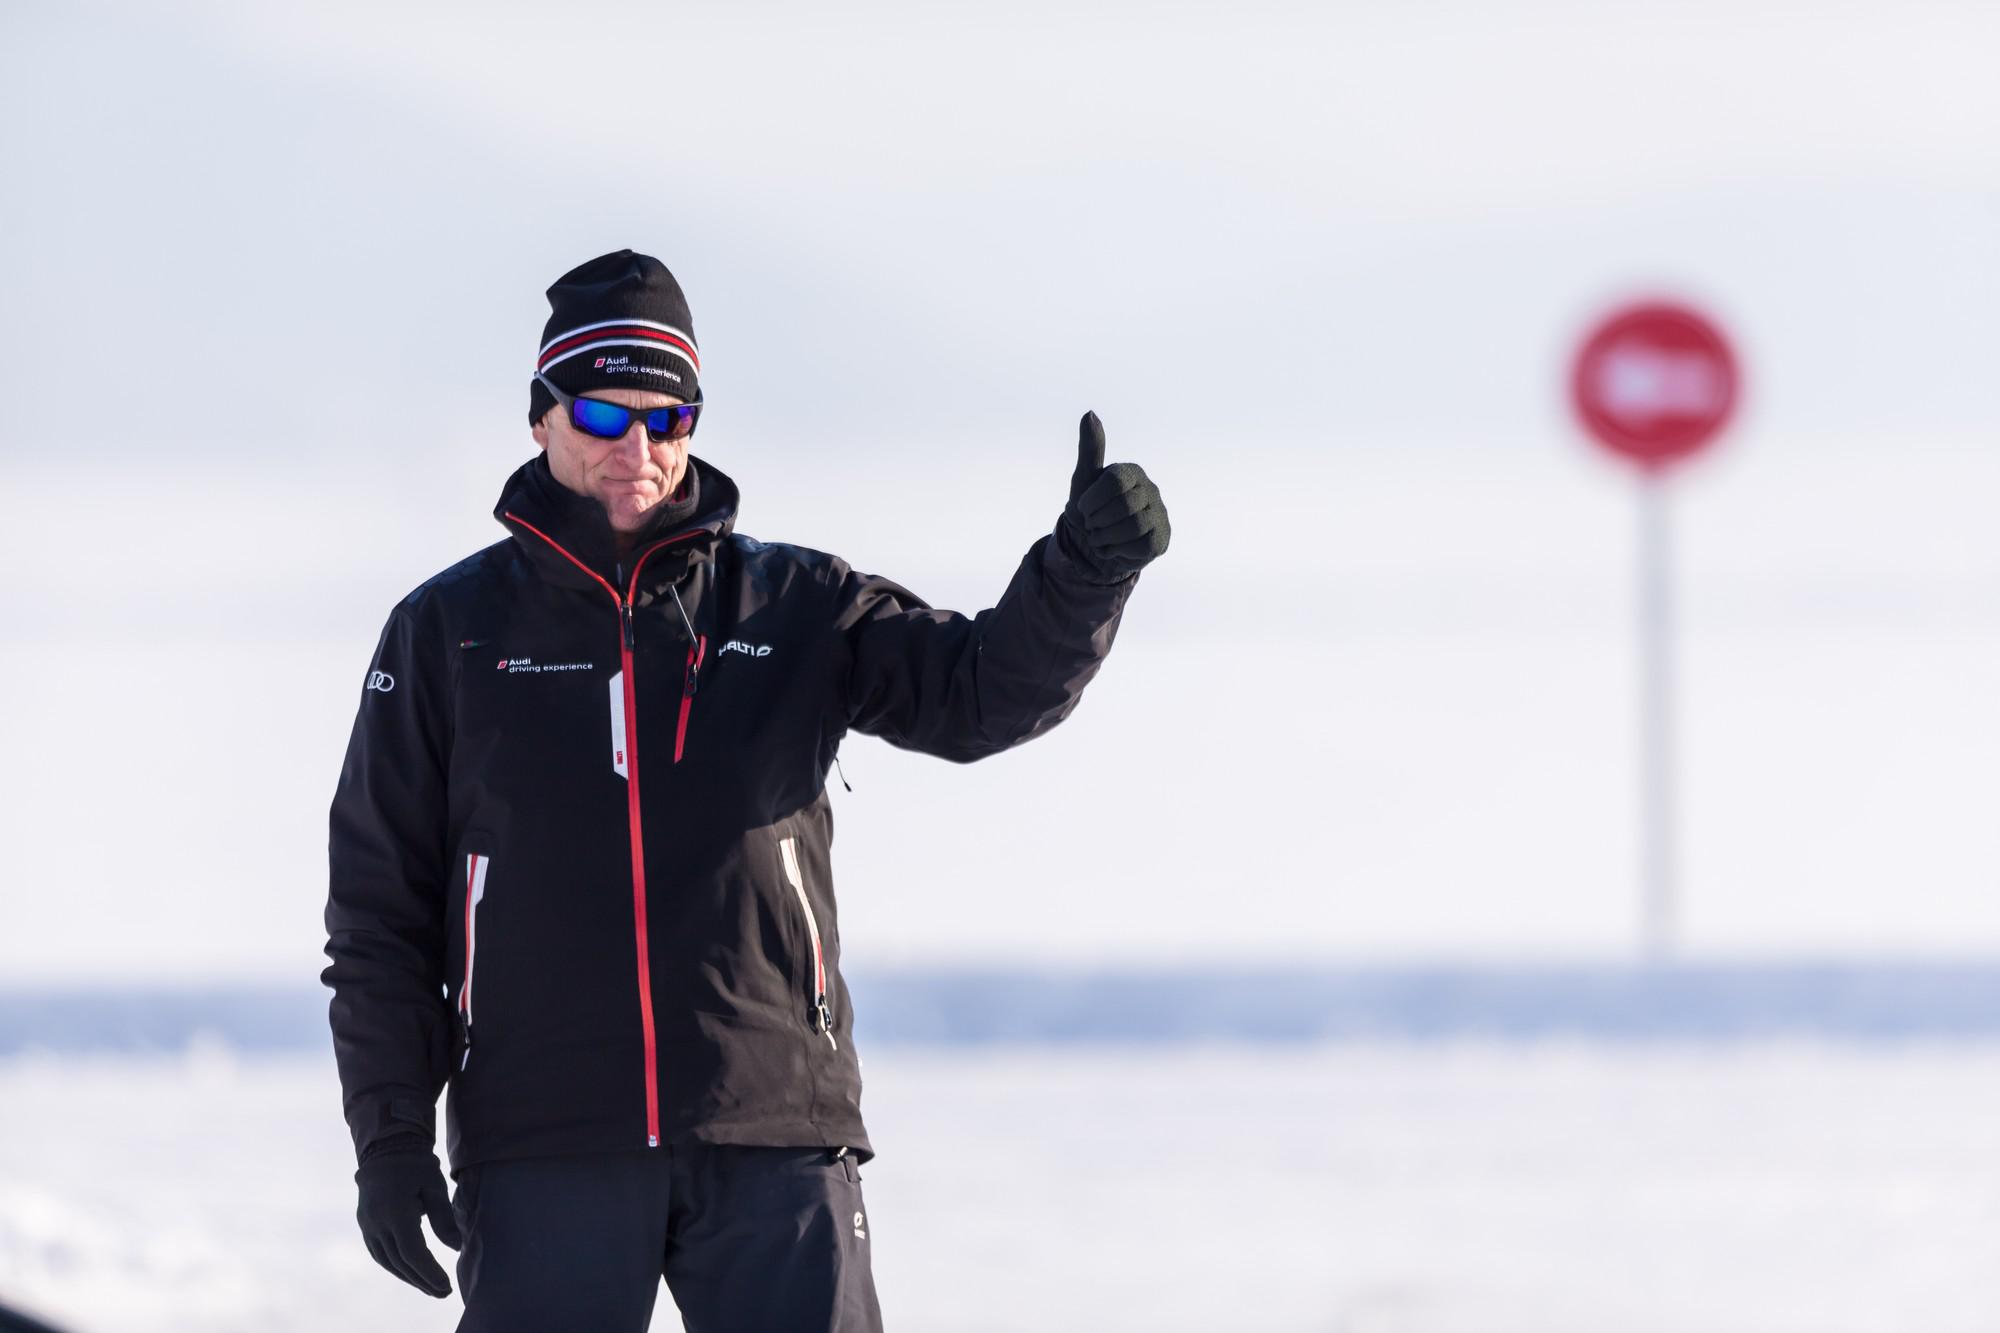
[634, 444]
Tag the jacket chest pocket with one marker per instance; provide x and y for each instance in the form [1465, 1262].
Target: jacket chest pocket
[476, 867]
[819, 1009]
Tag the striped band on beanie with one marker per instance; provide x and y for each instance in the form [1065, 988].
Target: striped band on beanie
[618, 333]
[620, 321]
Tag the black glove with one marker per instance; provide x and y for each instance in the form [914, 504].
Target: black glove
[397, 1188]
[1116, 522]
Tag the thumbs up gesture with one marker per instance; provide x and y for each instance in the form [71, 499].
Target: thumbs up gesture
[1115, 522]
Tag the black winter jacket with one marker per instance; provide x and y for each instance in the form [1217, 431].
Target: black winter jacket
[580, 843]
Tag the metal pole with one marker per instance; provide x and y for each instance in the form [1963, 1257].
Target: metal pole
[1658, 870]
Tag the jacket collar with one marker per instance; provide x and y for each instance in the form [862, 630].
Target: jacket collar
[543, 515]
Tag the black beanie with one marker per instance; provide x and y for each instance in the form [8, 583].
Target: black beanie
[618, 321]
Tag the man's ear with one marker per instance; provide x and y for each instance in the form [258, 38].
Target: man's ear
[540, 430]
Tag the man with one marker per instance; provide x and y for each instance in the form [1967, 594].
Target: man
[579, 852]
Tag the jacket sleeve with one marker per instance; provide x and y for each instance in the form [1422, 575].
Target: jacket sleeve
[966, 687]
[385, 906]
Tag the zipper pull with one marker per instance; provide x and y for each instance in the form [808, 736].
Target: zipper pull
[695, 652]
[626, 609]
[468, 1048]
[843, 772]
[823, 1020]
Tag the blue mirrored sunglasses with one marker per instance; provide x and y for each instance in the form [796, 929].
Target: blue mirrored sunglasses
[609, 421]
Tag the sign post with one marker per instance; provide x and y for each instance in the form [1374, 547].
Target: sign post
[1654, 383]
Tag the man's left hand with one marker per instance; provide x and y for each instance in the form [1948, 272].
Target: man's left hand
[1115, 523]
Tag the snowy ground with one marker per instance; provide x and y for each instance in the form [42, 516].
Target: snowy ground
[1341, 1188]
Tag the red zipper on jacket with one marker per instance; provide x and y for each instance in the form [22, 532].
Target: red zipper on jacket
[822, 1013]
[626, 643]
[696, 651]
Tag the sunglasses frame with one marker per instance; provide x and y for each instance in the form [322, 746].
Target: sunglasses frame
[568, 403]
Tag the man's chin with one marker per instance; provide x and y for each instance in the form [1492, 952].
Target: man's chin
[629, 510]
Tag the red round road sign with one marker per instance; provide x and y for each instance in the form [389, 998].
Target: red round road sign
[1654, 383]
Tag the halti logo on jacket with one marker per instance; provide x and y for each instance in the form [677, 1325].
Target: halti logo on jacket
[751, 649]
[381, 680]
[515, 666]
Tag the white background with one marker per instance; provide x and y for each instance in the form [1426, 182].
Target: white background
[273, 280]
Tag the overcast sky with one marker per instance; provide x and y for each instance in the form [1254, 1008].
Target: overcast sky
[273, 279]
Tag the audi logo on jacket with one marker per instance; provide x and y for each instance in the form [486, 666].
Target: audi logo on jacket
[579, 856]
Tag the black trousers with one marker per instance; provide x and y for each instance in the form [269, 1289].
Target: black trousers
[747, 1239]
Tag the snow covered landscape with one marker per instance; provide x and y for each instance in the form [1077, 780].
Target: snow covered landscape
[1293, 984]
[1470, 1187]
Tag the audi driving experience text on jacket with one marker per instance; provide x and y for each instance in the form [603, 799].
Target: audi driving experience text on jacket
[580, 843]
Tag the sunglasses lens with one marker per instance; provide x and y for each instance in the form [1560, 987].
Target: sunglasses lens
[672, 423]
[600, 418]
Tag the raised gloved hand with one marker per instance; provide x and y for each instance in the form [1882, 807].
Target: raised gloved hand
[1116, 522]
[397, 1188]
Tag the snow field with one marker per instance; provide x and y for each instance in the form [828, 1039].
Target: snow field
[1332, 1188]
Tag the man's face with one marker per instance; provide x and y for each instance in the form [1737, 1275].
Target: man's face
[629, 475]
